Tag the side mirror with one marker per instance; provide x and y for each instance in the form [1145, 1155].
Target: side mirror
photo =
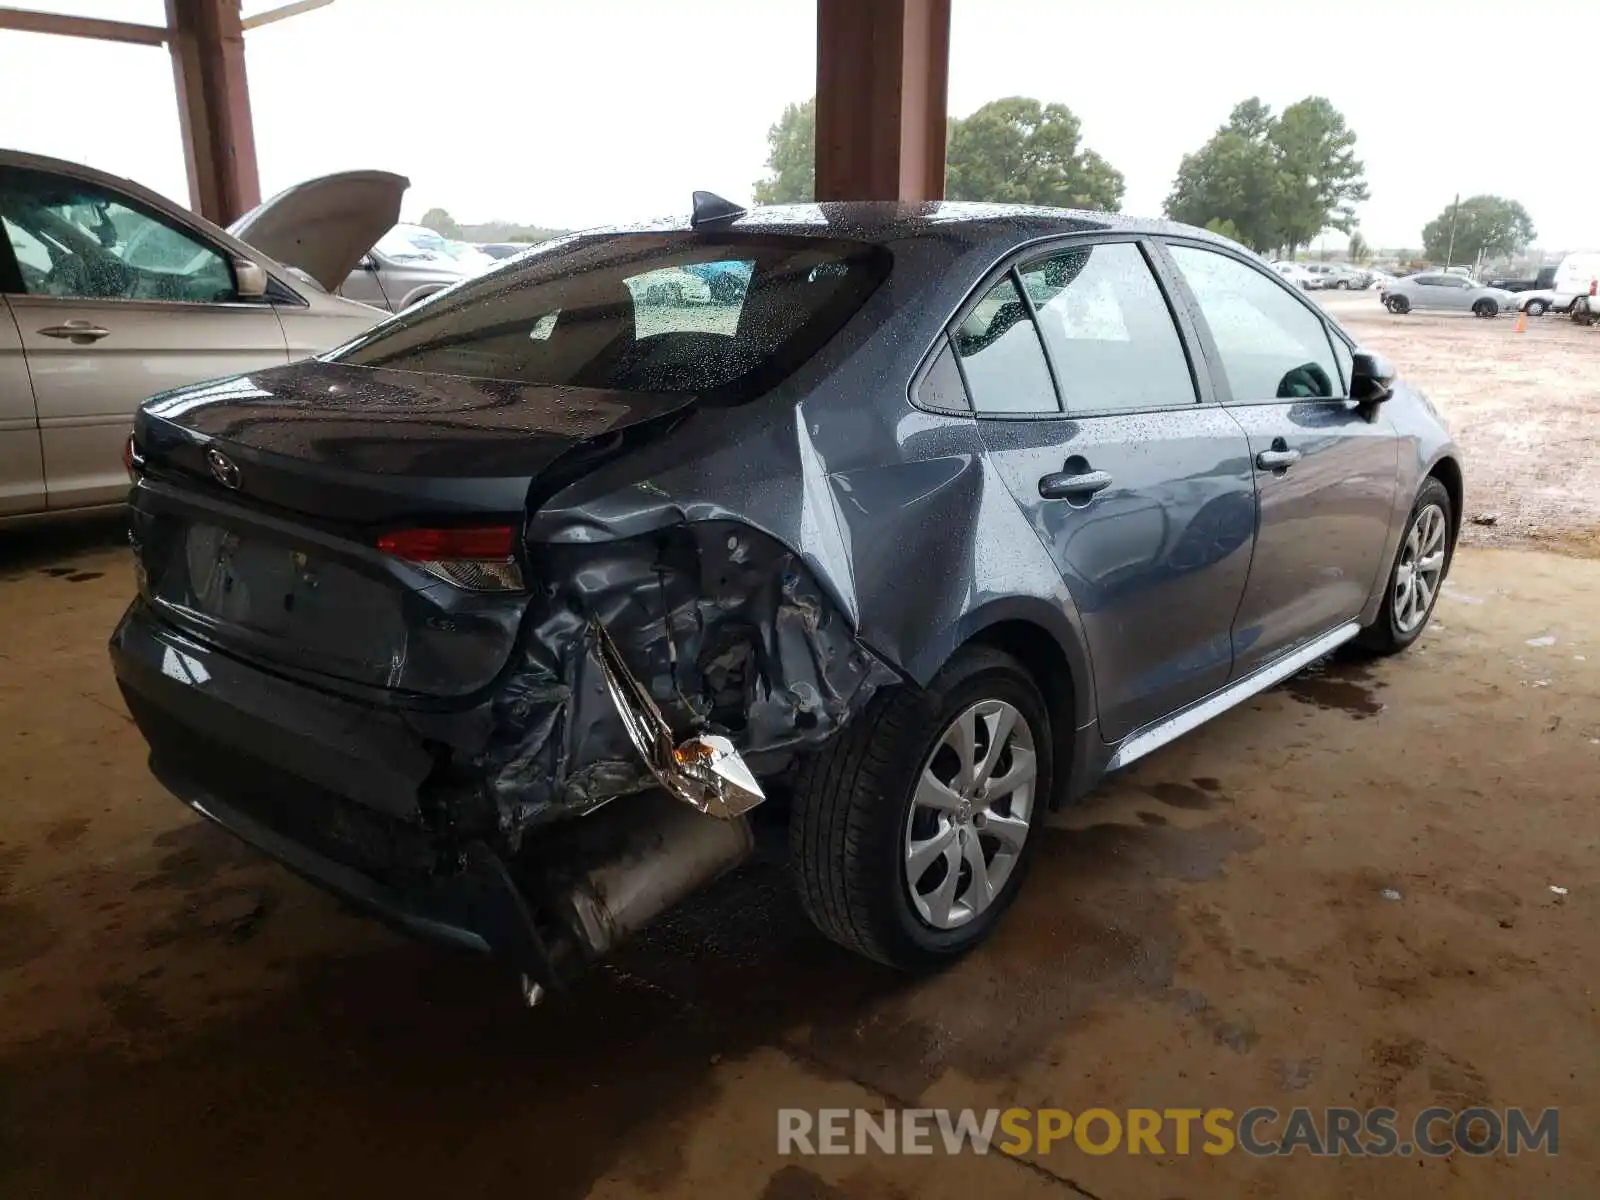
[249, 279]
[367, 263]
[1371, 378]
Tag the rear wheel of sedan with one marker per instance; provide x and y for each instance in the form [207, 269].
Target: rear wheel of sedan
[1486, 309]
[912, 829]
[1398, 305]
[1417, 573]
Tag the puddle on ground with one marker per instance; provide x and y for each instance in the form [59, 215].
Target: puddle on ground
[1183, 795]
[1346, 687]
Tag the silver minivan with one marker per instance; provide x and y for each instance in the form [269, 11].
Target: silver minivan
[110, 293]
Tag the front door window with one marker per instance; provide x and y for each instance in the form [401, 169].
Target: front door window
[75, 240]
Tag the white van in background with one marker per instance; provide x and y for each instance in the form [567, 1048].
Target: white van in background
[1576, 286]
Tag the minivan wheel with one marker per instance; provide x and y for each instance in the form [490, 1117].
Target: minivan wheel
[1398, 305]
[912, 829]
[1581, 312]
[1417, 574]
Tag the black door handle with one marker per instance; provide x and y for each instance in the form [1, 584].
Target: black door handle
[1067, 485]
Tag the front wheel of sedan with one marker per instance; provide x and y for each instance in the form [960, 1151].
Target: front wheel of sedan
[1536, 308]
[913, 828]
[1398, 305]
[1417, 574]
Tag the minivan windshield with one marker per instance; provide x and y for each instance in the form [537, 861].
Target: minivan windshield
[723, 315]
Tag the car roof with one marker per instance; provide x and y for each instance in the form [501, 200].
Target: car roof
[1003, 225]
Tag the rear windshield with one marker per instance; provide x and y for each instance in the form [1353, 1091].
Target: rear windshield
[723, 315]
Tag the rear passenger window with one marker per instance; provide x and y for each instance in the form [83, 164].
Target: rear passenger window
[941, 388]
[1108, 330]
[1272, 346]
[1001, 356]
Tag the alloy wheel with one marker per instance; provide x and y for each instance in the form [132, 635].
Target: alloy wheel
[970, 814]
[1416, 579]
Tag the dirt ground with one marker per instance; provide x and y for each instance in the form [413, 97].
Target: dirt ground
[1525, 408]
[1338, 894]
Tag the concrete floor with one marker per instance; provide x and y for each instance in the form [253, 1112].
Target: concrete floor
[181, 1018]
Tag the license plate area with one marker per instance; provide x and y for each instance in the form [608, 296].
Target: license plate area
[291, 603]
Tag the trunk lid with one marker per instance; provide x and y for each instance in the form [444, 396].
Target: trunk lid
[368, 446]
[324, 226]
[262, 498]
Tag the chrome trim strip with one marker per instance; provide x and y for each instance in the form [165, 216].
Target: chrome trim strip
[1157, 734]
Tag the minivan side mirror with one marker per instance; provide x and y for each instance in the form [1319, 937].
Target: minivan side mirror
[249, 279]
[1371, 378]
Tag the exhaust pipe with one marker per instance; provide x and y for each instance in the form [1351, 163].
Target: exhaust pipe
[641, 855]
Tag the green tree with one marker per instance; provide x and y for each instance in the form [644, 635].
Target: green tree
[1485, 227]
[441, 222]
[791, 157]
[1020, 151]
[1319, 179]
[1232, 178]
[1358, 250]
[1224, 228]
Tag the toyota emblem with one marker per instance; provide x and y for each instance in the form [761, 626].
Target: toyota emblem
[223, 469]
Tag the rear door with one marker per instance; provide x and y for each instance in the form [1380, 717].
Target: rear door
[1139, 489]
[113, 304]
[1325, 468]
[21, 468]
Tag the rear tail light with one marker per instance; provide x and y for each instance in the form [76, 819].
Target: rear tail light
[1594, 286]
[476, 558]
[132, 459]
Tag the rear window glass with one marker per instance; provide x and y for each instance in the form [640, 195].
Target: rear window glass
[722, 315]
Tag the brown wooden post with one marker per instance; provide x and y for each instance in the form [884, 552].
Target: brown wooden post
[882, 78]
[219, 144]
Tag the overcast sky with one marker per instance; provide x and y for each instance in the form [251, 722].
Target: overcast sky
[574, 114]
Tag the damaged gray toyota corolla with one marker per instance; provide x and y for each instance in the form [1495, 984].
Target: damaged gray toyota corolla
[905, 522]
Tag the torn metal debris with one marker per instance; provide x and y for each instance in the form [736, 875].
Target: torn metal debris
[704, 771]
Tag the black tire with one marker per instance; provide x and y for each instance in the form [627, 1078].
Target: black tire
[1536, 308]
[1486, 309]
[852, 802]
[1342, 285]
[1581, 311]
[1398, 305]
[1384, 635]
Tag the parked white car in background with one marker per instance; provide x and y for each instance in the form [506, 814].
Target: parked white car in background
[1536, 303]
[1297, 275]
[1577, 287]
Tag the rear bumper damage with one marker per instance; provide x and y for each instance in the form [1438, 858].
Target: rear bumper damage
[605, 777]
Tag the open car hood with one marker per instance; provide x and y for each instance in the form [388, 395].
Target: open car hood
[324, 226]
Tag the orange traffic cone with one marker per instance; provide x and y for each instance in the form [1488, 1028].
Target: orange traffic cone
[1522, 321]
